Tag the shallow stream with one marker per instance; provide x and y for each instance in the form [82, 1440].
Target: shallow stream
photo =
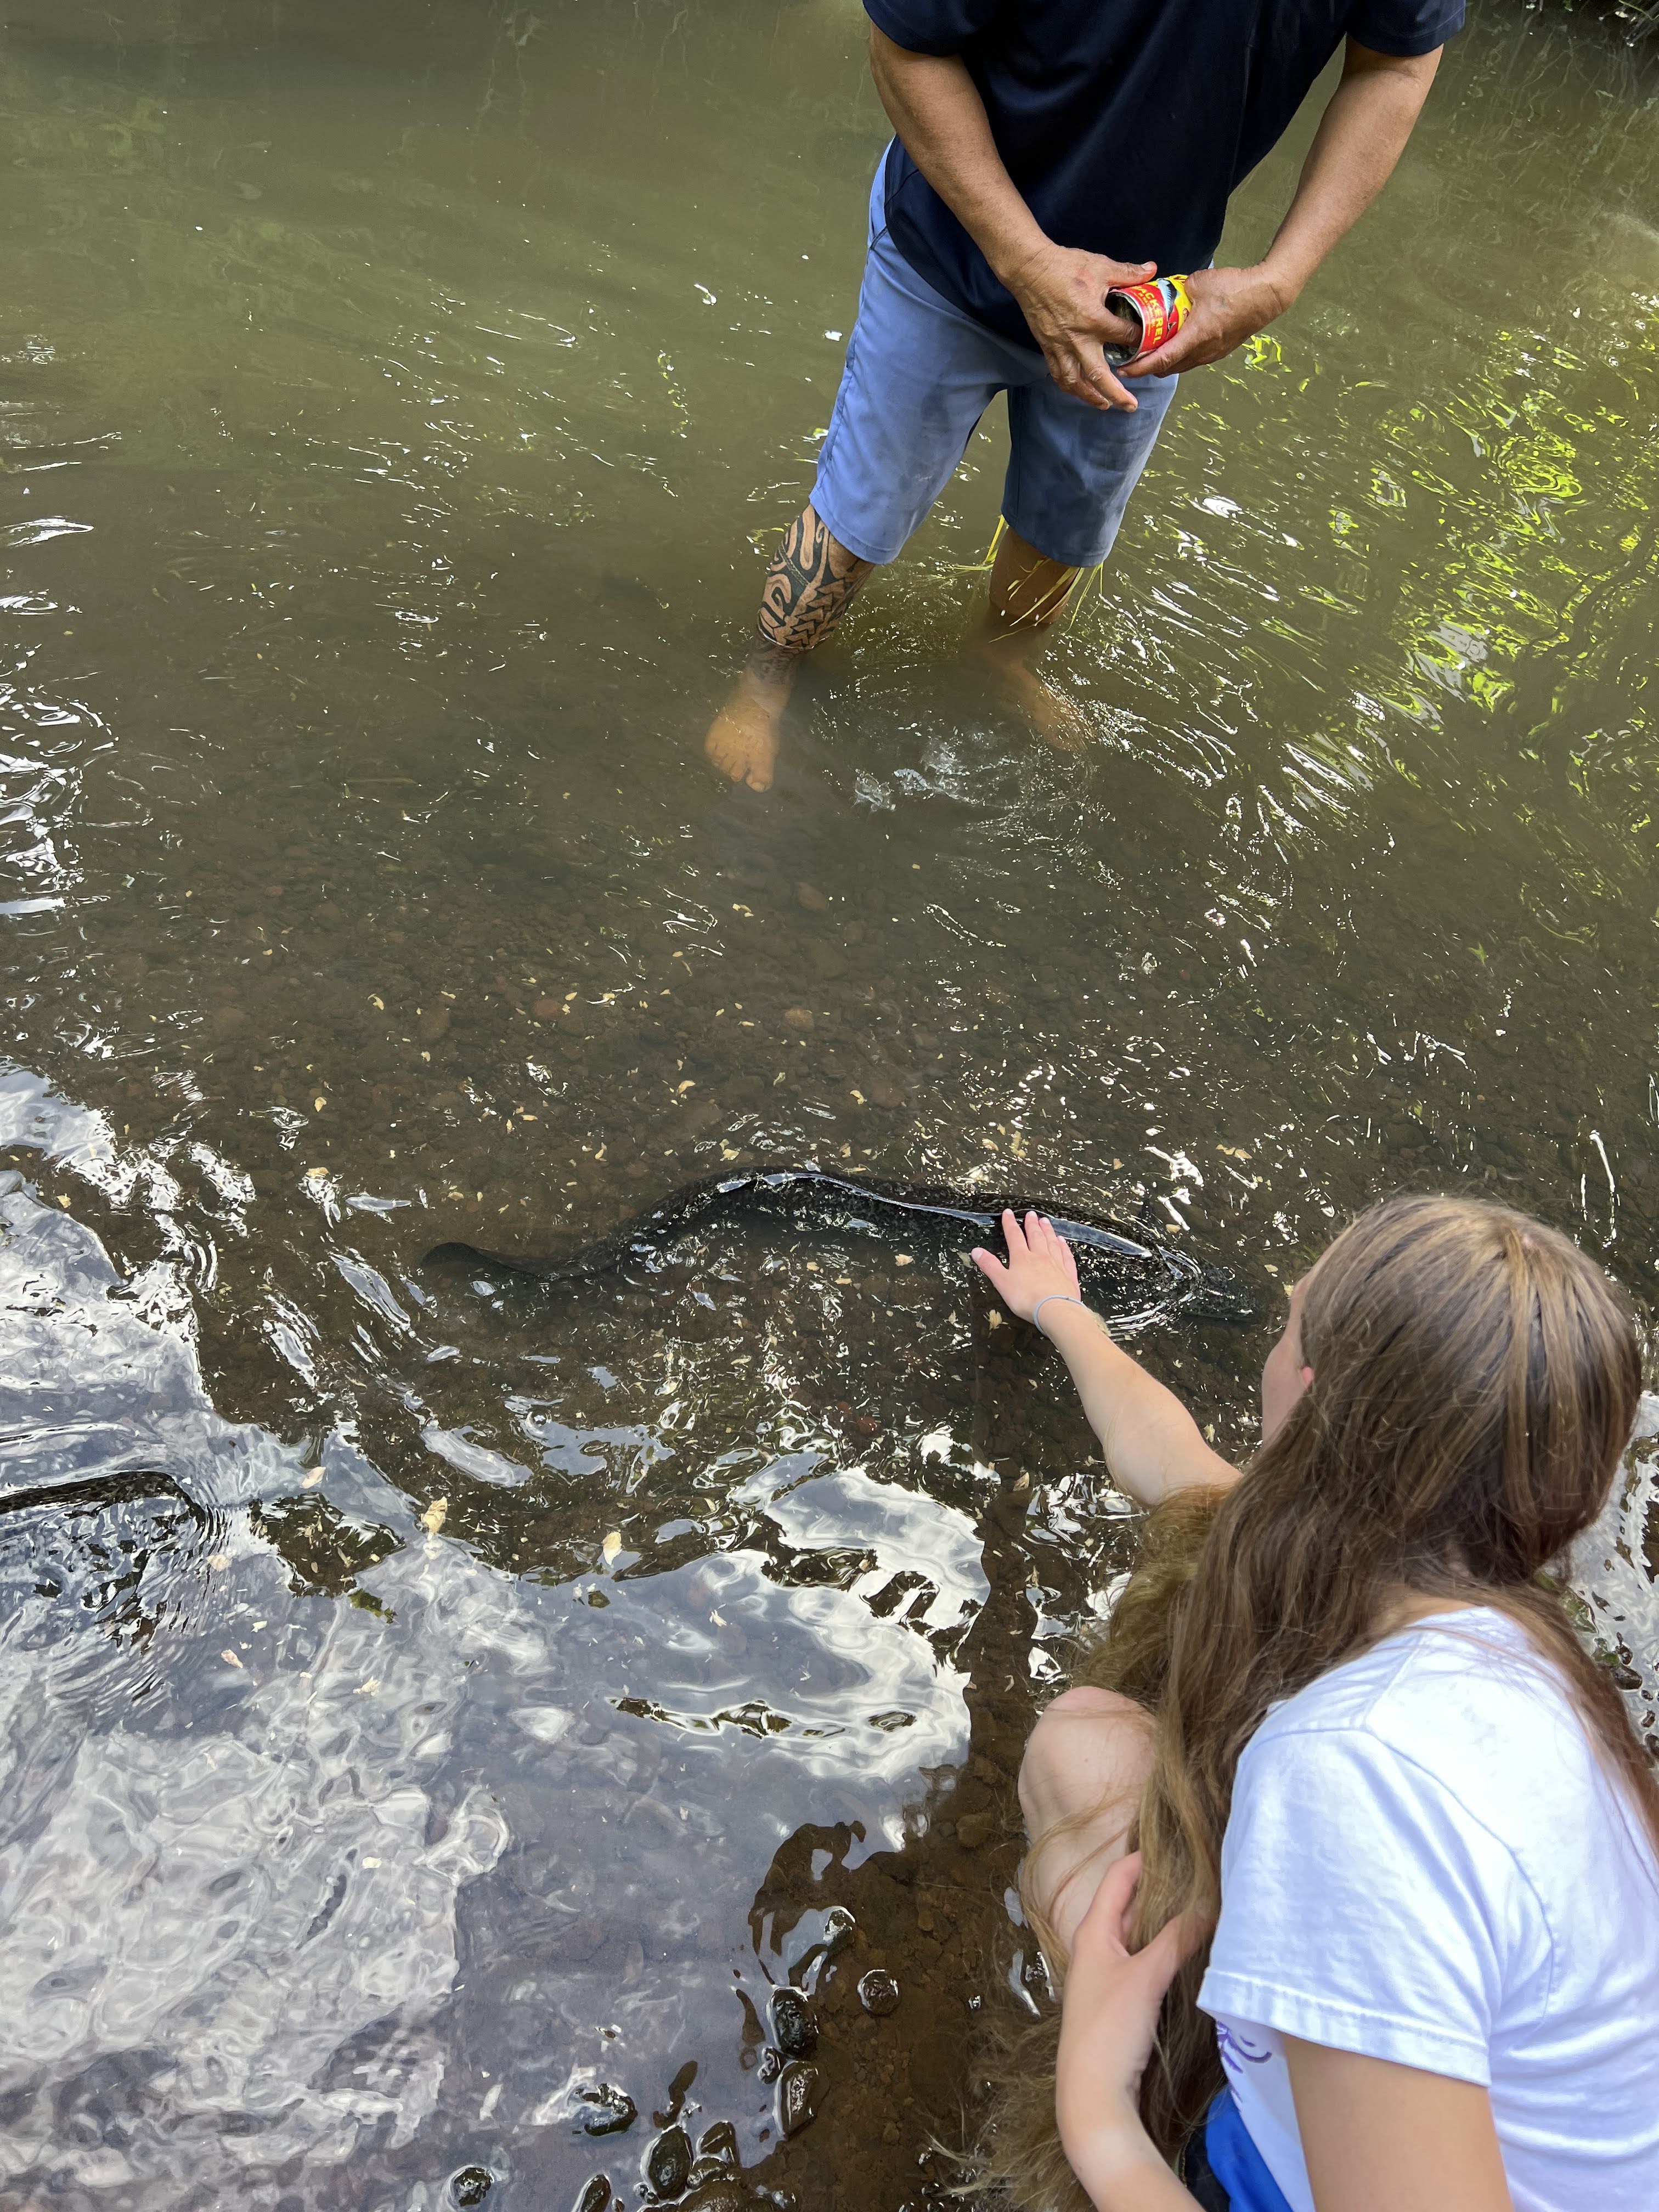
[438, 1718]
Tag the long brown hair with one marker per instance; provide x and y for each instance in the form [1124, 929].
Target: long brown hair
[1017, 2159]
[1476, 1381]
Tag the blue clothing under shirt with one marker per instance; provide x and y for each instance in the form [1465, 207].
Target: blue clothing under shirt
[1124, 124]
[1237, 2163]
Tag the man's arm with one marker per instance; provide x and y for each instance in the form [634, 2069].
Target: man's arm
[1361, 136]
[935, 106]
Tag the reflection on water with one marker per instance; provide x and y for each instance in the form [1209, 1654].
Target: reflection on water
[353, 1881]
[468, 1726]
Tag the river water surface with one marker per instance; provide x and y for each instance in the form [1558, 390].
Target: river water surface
[439, 1719]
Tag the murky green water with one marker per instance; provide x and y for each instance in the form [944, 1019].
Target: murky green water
[492, 1698]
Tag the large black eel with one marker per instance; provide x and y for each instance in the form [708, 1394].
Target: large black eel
[1132, 1275]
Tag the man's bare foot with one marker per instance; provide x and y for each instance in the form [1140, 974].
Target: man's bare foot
[1059, 722]
[742, 737]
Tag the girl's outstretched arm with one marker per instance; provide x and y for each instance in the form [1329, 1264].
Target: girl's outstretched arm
[1152, 1444]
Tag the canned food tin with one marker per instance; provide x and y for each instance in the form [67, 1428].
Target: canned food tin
[1160, 307]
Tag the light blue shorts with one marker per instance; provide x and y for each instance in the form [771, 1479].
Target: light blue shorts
[919, 375]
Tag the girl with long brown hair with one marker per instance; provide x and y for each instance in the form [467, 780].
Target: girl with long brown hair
[1344, 1852]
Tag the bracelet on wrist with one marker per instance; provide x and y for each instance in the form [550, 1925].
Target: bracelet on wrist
[1054, 1297]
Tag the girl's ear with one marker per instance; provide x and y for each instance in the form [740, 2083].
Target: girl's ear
[1307, 1378]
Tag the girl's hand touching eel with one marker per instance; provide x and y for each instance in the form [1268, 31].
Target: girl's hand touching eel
[1152, 1444]
[1040, 1265]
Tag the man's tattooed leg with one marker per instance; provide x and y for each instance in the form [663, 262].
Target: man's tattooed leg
[808, 589]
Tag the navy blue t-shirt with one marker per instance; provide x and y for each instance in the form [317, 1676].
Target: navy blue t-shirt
[1125, 125]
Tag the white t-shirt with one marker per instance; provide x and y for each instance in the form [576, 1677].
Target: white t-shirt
[1425, 1863]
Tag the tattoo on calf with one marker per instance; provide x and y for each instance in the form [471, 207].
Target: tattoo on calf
[808, 589]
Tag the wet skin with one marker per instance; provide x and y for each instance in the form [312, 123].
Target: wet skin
[811, 582]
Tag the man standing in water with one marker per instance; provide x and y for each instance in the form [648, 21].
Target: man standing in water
[1037, 143]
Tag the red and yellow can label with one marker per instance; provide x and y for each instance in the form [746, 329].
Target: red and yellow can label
[1160, 306]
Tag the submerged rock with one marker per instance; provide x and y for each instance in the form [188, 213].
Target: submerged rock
[879, 1993]
[470, 2185]
[610, 2110]
[596, 2195]
[717, 2147]
[798, 2086]
[794, 2028]
[668, 2166]
[839, 1929]
[974, 1830]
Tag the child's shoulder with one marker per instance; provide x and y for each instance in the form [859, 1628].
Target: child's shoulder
[1464, 1697]
[1453, 1745]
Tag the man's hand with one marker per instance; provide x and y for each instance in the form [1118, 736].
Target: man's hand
[1062, 292]
[1360, 137]
[1228, 306]
[935, 107]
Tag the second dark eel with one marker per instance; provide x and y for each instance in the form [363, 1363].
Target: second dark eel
[1130, 1275]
